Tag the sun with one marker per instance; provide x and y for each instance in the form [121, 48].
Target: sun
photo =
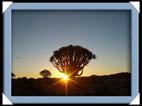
[65, 77]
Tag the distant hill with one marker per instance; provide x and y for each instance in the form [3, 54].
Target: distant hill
[123, 74]
[108, 85]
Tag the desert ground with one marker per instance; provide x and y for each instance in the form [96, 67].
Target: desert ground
[108, 85]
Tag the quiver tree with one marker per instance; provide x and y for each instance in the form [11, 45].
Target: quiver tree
[71, 60]
[45, 73]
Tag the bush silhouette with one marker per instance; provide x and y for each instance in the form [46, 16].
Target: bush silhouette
[45, 73]
[13, 75]
[71, 60]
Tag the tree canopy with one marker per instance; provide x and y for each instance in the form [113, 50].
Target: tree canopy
[45, 73]
[71, 60]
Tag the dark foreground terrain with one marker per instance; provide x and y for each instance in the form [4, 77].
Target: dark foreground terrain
[112, 85]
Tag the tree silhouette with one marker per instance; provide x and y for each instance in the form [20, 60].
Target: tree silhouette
[13, 75]
[71, 60]
[45, 73]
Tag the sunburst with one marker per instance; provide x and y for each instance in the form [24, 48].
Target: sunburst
[66, 81]
[65, 77]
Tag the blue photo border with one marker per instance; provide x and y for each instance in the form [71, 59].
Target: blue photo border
[71, 99]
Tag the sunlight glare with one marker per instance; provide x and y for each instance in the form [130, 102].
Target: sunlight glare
[65, 77]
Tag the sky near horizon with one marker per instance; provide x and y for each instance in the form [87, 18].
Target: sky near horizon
[36, 34]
